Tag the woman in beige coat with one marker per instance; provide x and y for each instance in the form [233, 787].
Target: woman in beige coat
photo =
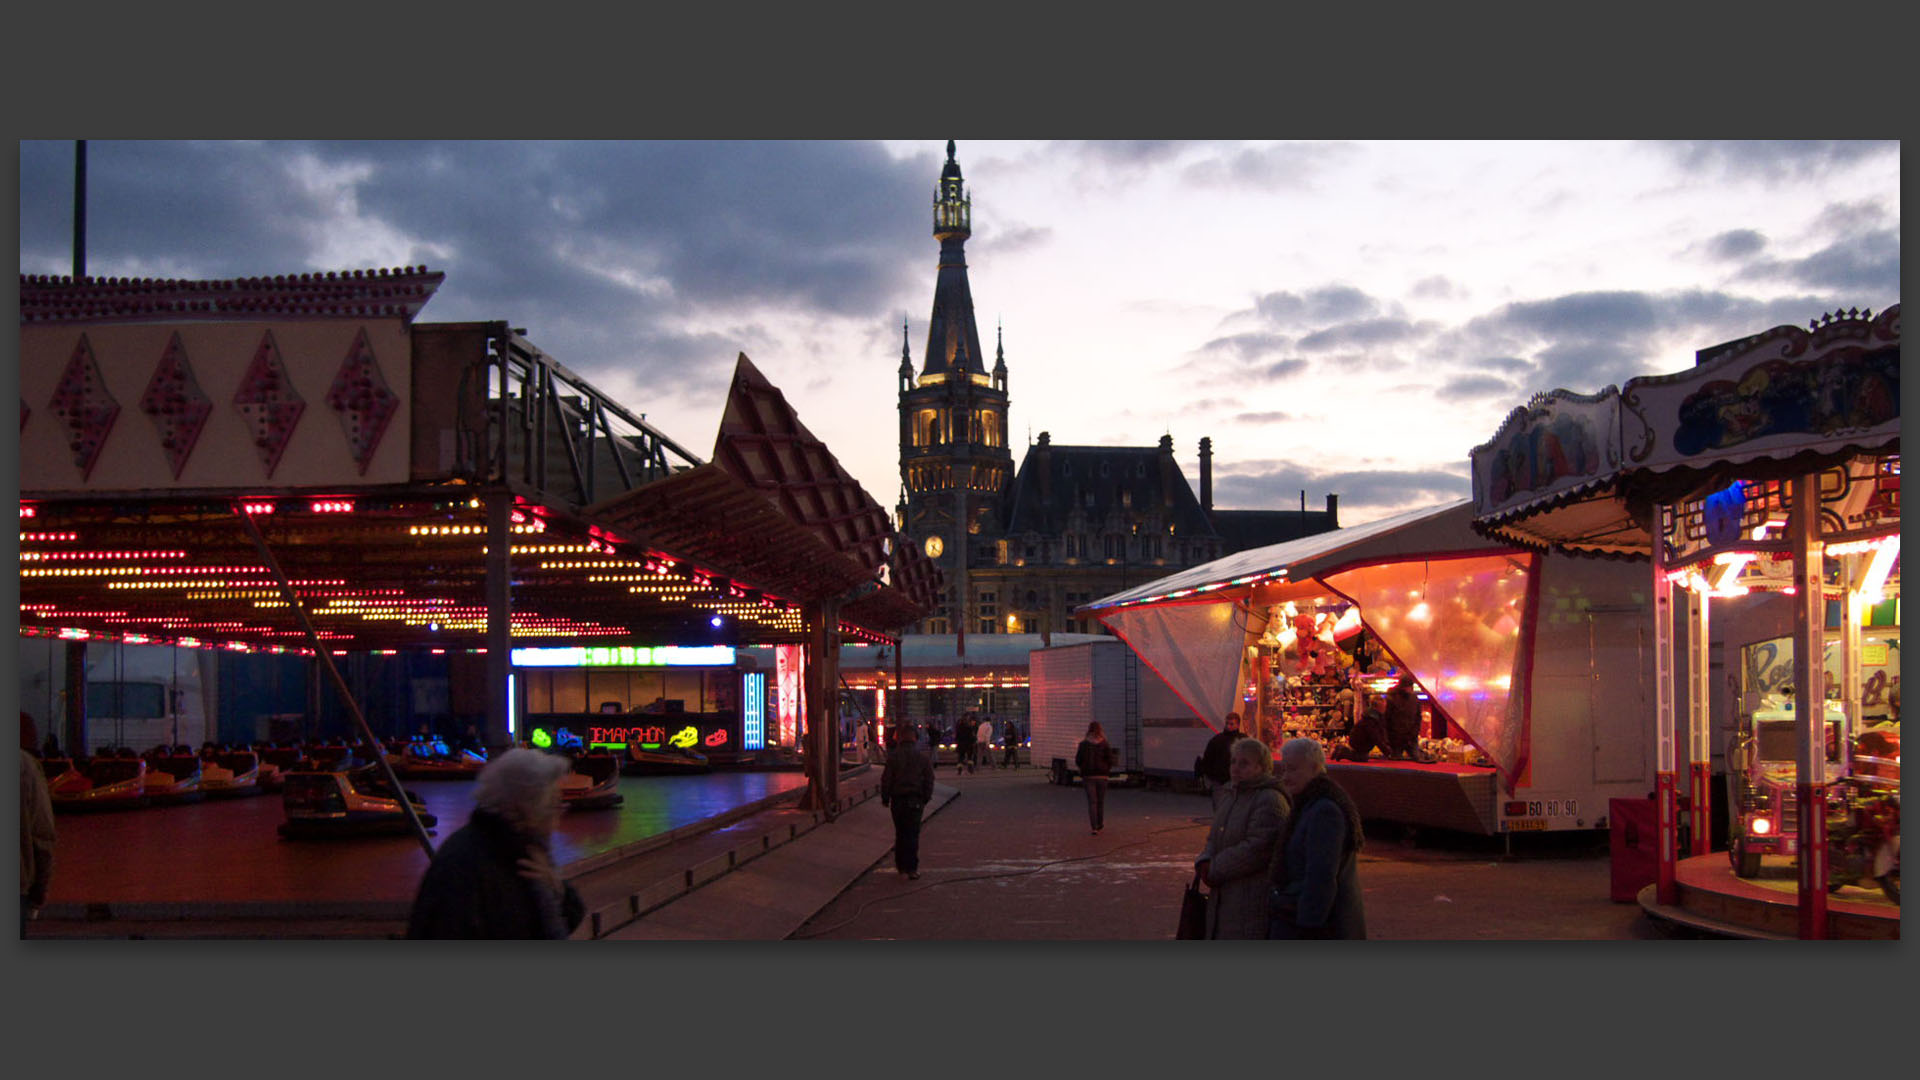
[1240, 845]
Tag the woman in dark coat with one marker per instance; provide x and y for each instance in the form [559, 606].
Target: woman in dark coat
[1316, 880]
[1238, 857]
[495, 877]
[1094, 760]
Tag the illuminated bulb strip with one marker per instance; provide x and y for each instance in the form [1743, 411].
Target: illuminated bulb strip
[48, 537]
[1873, 585]
[25, 555]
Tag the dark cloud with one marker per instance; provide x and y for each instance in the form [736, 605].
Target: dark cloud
[1285, 369]
[1249, 346]
[1437, 287]
[1262, 418]
[1737, 244]
[1129, 152]
[1363, 493]
[1851, 218]
[1286, 165]
[1365, 333]
[673, 229]
[1017, 238]
[1329, 303]
[1867, 266]
[1772, 161]
[1475, 388]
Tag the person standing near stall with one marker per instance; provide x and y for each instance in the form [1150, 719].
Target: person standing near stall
[983, 741]
[1094, 759]
[1315, 872]
[1370, 732]
[1237, 861]
[1011, 734]
[1216, 760]
[1403, 720]
[964, 730]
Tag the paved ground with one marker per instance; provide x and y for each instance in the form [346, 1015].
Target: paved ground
[1006, 856]
[1012, 858]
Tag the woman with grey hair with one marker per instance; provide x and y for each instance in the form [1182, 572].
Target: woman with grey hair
[1239, 851]
[495, 878]
[1315, 874]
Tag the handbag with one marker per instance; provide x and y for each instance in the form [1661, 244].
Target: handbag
[1193, 913]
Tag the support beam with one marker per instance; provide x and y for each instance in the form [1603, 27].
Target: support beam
[1666, 882]
[1810, 701]
[333, 671]
[1699, 725]
[499, 586]
[821, 756]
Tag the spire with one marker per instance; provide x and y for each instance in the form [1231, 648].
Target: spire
[953, 341]
[999, 356]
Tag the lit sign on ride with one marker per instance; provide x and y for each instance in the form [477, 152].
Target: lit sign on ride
[685, 737]
[753, 712]
[626, 656]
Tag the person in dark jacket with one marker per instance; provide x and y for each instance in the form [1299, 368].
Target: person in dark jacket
[495, 878]
[37, 833]
[1369, 733]
[1238, 857]
[906, 786]
[1403, 720]
[1315, 872]
[1094, 760]
[1010, 734]
[1216, 760]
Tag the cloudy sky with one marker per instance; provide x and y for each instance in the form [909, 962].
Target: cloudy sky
[1339, 317]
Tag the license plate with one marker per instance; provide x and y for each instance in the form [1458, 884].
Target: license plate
[1526, 825]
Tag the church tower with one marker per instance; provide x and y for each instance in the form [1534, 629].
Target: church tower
[955, 466]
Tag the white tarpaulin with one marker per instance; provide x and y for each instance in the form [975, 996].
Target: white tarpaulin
[1195, 648]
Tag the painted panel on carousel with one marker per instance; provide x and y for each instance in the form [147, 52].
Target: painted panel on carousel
[1827, 390]
[1558, 444]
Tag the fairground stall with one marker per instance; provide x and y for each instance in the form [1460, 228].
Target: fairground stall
[1771, 466]
[311, 471]
[1535, 687]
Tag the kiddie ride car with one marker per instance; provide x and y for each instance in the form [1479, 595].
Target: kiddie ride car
[173, 775]
[1862, 809]
[322, 804]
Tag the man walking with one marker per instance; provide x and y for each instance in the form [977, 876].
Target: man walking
[964, 730]
[906, 787]
[1216, 761]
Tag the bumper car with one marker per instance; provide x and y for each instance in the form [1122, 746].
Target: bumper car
[173, 775]
[227, 772]
[108, 781]
[323, 804]
[594, 783]
[431, 759]
[276, 761]
[663, 760]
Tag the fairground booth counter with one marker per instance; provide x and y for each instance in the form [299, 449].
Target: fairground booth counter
[1535, 683]
[1771, 466]
[293, 464]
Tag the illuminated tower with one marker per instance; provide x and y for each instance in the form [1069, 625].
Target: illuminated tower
[955, 466]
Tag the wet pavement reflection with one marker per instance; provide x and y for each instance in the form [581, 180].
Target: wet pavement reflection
[230, 850]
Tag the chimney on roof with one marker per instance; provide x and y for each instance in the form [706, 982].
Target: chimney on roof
[1333, 511]
[1206, 477]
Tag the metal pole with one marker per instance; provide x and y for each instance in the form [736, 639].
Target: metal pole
[1666, 884]
[79, 209]
[1699, 725]
[1810, 702]
[339, 683]
[499, 586]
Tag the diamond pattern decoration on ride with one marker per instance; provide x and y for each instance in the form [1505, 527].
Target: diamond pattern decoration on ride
[362, 398]
[176, 403]
[84, 406]
[269, 403]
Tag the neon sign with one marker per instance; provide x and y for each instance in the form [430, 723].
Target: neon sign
[753, 714]
[685, 737]
[626, 656]
[718, 738]
[786, 662]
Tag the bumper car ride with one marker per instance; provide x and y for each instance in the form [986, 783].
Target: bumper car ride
[350, 802]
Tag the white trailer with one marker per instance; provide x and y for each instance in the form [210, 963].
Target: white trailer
[138, 696]
[1074, 685]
